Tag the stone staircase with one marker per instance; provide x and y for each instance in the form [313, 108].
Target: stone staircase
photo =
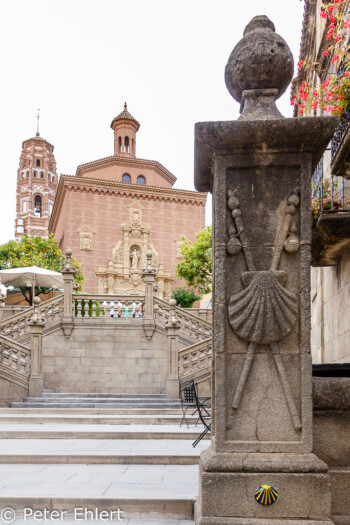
[70, 451]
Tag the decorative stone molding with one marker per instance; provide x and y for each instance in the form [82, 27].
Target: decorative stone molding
[86, 237]
[122, 275]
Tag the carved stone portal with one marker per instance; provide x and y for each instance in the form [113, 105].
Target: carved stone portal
[123, 272]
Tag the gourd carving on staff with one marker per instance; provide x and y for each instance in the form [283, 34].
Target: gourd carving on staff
[265, 311]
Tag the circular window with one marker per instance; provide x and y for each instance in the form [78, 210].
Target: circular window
[126, 178]
[141, 179]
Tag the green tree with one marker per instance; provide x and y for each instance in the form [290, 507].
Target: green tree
[36, 251]
[196, 264]
[184, 297]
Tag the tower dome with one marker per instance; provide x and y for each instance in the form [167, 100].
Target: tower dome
[125, 127]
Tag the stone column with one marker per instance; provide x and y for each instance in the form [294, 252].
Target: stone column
[68, 272]
[172, 327]
[260, 468]
[36, 378]
[148, 276]
[3, 295]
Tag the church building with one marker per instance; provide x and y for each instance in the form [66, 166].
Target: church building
[115, 209]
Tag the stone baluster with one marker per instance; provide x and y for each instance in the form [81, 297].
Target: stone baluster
[3, 294]
[172, 327]
[260, 467]
[148, 275]
[36, 324]
[68, 272]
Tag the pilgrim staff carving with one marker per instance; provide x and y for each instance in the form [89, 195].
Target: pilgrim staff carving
[265, 311]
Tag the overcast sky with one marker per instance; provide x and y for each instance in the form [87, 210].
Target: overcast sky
[79, 60]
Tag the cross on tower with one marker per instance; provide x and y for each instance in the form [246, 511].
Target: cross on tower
[37, 125]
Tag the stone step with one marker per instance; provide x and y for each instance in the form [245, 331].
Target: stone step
[82, 431]
[162, 492]
[92, 411]
[42, 404]
[97, 395]
[97, 451]
[125, 400]
[124, 521]
[118, 419]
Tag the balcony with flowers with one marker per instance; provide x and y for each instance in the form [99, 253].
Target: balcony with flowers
[322, 87]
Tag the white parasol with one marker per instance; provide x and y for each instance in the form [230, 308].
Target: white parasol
[31, 277]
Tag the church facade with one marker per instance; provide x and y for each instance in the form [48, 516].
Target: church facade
[117, 208]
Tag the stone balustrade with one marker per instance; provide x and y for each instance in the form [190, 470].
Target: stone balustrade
[14, 361]
[195, 361]
[16, 327]
[99, 306]
[193, 328]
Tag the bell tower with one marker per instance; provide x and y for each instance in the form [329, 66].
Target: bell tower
[125, 127]
[36, 187]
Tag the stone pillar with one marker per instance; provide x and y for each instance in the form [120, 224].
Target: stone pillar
[172, 328]
[68, 272]
[260, 467]
[3, 295]
[36, 378]
[148, 276]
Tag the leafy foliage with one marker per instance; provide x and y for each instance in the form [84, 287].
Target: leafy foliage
[184, 297]
[36, 251]
[196, 264]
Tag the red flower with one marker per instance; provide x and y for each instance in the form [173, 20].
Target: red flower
[329, 36]
[323, 14]
[326, 53]
[337, 38]
[331, 8]
[300, 64]
[335, 58]
[346, 74]
[315, 93]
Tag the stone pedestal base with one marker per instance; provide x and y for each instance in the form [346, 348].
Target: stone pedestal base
[36, 385]
[227, 483]
[172, 388]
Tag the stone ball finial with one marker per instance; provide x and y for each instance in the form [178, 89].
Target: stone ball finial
[36, 301]
[261, 60]
[172, 302]
[149, 254]
[69, 253]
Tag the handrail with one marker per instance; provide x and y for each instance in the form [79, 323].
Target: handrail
[17, 326]
[183, 312]
[195, 360]
[43, 306]
[14, 344]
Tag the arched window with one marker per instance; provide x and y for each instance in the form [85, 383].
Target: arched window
[37, 206]
[141, 179]
[42, 175]
[35, 173]
[38, 162]
[126, 145]
[126, 178]
[120, 144]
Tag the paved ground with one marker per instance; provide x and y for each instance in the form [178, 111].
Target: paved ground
[75, 427]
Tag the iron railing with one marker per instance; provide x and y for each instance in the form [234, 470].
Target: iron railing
[340, 133]
[329, 194]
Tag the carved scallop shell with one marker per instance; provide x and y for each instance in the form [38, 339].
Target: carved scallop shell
[265, 311]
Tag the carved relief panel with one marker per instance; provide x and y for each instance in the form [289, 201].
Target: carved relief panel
[262, 253]
[86, 238]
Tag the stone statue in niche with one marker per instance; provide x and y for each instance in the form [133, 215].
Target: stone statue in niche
[134, 257]
[265, 311]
